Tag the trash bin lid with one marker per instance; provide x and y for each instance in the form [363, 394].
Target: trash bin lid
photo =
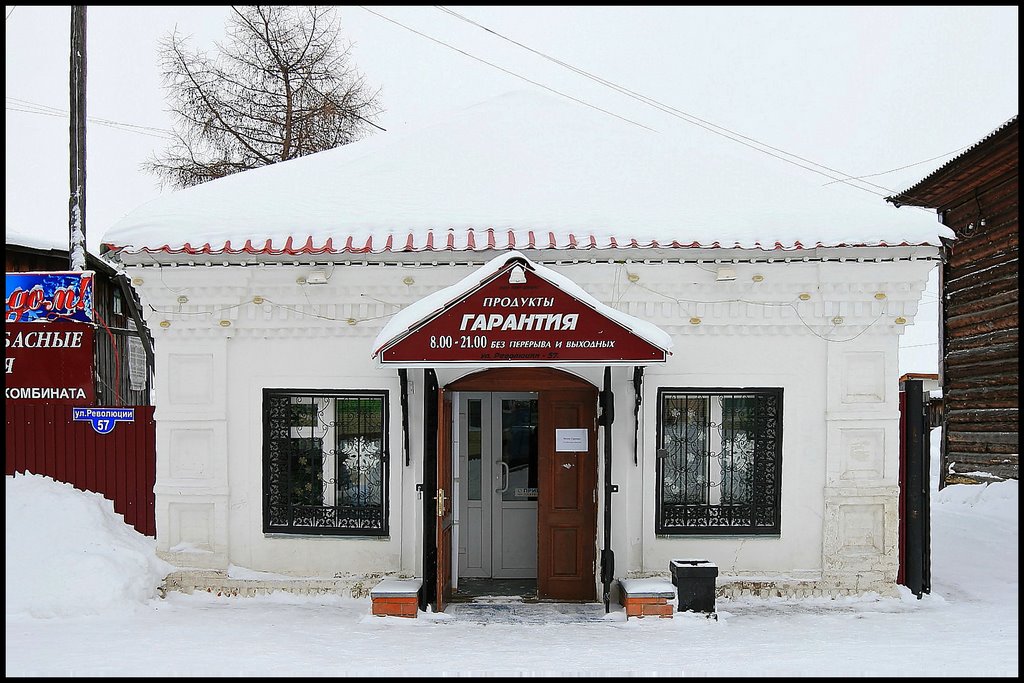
[692, 569]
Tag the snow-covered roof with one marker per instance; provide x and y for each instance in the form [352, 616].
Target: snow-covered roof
[408, 318]
[20, 239]
[525, 170]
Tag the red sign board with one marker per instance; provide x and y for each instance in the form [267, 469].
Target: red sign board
[49, 363]
[526, 322]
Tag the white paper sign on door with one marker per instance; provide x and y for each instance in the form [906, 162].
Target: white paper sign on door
[573, 440]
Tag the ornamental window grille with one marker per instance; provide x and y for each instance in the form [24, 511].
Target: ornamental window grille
[325, 462]
[137, 365]
[719, 461]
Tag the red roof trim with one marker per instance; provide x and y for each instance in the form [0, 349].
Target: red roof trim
[407, 243]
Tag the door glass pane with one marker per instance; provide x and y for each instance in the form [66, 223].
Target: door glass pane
[474, 444]
[519, 449]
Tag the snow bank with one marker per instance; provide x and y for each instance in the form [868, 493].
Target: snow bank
[70, 554]
[996, 499]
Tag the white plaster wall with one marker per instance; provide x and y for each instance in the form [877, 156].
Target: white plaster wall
[306, 364]
[795, 365]
[230, 331]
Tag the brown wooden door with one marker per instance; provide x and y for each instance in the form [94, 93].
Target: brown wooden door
[443, 499]
[567, 502]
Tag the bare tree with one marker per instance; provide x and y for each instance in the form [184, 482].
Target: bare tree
[281, 87]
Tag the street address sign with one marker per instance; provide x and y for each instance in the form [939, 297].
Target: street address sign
[103, 420]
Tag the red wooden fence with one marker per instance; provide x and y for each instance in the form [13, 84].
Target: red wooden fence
[43, 439]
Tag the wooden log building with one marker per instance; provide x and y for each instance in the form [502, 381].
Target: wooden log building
[976, 195]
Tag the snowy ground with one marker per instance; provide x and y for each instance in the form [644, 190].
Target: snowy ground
[81, 601]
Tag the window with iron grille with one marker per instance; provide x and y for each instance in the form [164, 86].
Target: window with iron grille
[325, 462]
[719, 461]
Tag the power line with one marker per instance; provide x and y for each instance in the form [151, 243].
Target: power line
[45, 108]
[28, 107]
[510, 73]
[666, 108]
[916, 163]
[124, 127]
[690, 118]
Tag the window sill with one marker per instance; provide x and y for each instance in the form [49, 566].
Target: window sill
[326, 537]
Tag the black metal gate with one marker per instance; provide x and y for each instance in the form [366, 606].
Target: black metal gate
[915, 482]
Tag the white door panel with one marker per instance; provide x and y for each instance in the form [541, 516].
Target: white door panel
[498, 469]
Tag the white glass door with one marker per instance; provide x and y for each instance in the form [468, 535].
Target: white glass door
[498, 485]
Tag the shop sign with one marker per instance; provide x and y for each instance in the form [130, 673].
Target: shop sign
[49, 362]
[49, 297]
[522, 319]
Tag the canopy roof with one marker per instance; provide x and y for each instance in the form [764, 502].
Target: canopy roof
[535, 315]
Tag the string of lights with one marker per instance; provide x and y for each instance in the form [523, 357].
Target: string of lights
[834, 322]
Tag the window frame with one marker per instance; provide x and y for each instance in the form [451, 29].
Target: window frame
[292, 529]
[661, 528]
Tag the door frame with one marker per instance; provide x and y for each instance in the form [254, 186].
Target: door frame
[549, 384]
[444, 500]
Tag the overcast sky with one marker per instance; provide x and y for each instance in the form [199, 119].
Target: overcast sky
[859, 89]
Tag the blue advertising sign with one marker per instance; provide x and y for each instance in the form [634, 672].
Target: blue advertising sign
[49, 297]
[103, 419]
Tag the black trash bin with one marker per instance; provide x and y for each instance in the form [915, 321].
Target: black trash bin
[695, 585]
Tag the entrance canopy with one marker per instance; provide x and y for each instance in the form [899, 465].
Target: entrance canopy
[513, 312]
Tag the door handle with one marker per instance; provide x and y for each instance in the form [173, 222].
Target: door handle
[504, 477]
[440, 502]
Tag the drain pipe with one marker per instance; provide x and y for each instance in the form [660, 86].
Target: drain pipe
[403, 383]
[606, 419]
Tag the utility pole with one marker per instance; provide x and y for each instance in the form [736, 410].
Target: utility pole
[76, 227]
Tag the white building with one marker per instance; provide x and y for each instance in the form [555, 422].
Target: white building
[632, 352]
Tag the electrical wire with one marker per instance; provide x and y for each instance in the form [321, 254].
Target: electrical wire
[777, 304]
[117, 359]
[707, 125]
[28, 107]
[510, 73]
[180, 312]
[916, 163]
